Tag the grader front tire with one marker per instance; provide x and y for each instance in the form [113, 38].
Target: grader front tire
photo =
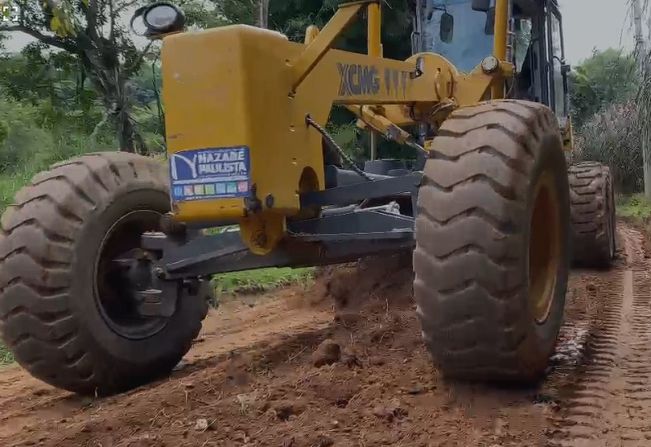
[64, 312]
[492, 242]
[593, 214]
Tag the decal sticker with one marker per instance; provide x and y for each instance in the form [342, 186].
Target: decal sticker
[205, 174]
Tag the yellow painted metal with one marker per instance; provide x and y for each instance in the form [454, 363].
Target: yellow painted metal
[374, 30]
[307, 60]
[310, 34]
[220, 87]
[244, 86]
[262, 232]
[500, 41]
[545, 246]
[373, 118]
[374, 50]
[501, 29]
[453, 87]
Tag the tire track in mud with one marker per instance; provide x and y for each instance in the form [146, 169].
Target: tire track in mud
[638, 366]
[606, 400]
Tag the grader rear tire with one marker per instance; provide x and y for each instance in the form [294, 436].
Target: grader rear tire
[593, 215]
[492, 242]
[64, 311]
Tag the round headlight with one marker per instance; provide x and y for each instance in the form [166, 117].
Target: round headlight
[163, 18]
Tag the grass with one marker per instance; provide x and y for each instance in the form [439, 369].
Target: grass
[5, 356]
[10, 184]
[635, 207]
[257, 281]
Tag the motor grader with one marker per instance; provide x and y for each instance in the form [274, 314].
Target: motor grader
[105, 264]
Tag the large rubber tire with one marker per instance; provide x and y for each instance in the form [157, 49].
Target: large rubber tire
[492, 242]
[593, 215]
[50, 241]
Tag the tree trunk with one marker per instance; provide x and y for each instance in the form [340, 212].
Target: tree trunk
[102, 64]
[263, 13]
[118, 108]
[125, 132]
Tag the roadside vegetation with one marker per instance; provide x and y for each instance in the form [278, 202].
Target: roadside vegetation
[5, 356]
[260, 281]
[634, 207]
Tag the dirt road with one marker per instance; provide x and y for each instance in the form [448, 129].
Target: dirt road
[250, 379]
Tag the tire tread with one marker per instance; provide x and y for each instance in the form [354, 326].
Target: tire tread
[37, 256]
[468, 235]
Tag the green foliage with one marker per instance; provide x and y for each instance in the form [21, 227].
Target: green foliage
[237, 11]
[202, 14]
[605, 78]
[292, 17]
[255, 281]
[347, 137]
[95, 37]
[51, 82]
[606, 117]
[22, 134]
[5, 356]
[635, 207]
[29, 148]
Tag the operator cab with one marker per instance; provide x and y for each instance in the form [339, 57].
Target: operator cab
[463, 32]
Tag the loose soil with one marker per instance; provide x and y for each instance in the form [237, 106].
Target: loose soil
[251, 379]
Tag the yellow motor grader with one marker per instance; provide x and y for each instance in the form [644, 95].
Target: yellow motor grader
[105, 264]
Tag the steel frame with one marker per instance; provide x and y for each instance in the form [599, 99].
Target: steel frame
[343, 232]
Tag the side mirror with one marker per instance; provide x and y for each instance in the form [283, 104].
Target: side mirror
[481, 5]
[447, 27]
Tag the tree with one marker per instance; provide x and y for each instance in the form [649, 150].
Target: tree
[605, 78]
[94, 32]
[612, 137]
[294, 16]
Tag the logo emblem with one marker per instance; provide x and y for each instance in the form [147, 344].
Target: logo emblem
[181, 163]
[358, 80]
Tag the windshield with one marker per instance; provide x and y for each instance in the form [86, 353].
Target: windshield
[452, 29]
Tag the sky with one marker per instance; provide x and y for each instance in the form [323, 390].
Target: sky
[588, 24]
[600, 24]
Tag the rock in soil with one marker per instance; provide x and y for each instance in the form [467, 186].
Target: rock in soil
[327, 353]
[285, 409]
[323, 441]
[201, 425]
[351, 360]
[392, 410]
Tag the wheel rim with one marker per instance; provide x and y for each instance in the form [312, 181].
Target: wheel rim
[115, 287]
[544, 248]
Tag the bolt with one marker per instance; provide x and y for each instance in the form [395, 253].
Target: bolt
[269, 201]
[260, 239]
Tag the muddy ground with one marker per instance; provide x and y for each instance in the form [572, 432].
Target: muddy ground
[251, 379]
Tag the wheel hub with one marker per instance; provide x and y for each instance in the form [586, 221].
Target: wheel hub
[123, 272]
